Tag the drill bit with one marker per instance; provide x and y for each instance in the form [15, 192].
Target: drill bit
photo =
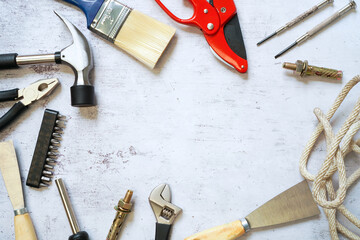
[321, 26]
[123, 209]
[298, 19]
[303, 68]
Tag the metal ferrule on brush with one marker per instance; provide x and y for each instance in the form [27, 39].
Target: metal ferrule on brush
[109, 19]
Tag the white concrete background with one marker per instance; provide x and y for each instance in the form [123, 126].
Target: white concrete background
[225, 142]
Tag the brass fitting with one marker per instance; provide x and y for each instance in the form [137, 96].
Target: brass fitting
[301, 68]
[123, 209]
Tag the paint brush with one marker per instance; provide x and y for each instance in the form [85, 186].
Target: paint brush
[136, 33]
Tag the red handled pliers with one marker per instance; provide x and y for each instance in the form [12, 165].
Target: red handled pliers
[219, 22]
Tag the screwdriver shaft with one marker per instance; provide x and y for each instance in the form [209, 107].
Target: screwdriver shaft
[298, 19]
[321, 26]
[67, 205]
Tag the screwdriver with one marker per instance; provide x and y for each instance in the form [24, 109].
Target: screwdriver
[321, 26]
[298, 19]
[77, 234]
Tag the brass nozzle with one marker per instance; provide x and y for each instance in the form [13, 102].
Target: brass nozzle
[303, 68]
[123, 209]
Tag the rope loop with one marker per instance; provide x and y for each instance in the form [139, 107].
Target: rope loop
[337, 147]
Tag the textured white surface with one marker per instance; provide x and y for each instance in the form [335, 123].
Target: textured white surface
[225, 142]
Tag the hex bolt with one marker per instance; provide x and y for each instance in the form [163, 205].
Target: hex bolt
[302, 69]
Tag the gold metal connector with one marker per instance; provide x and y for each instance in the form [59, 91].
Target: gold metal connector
[303, 68]
[123, 209]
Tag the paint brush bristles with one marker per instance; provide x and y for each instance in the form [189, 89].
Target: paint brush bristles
[139, 35]
[144, 37]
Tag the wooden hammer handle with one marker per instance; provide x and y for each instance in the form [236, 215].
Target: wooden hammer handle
[24, 228]
[230, 231]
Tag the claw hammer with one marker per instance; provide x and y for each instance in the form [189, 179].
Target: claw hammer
[77, 55]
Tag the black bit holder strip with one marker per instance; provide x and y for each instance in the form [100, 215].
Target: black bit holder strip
[42, 148]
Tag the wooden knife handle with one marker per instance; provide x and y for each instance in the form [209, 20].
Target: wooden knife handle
[24, 228]
[228, 231]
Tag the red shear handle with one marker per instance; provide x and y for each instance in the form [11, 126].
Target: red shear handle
[220, 46]
[205, 16]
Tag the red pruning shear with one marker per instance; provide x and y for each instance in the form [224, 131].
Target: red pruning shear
[219, 22]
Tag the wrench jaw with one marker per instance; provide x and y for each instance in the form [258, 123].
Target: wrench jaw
[165, 212]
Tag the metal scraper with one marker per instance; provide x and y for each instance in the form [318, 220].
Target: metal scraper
[293, 204]
[24, 228]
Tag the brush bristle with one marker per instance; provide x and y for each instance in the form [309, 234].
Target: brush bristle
[144, 37]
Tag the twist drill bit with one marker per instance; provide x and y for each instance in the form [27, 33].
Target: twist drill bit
[298, 19]
[123, 209]
[303, 68]
[321, 26]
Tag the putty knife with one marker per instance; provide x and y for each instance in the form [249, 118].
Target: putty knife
[24, 229]
[293, 204]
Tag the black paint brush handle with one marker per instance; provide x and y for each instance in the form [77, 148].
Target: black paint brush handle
[8, 61]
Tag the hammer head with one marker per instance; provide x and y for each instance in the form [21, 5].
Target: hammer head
[79, 57]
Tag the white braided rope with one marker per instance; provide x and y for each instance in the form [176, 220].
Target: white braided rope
[338, 146]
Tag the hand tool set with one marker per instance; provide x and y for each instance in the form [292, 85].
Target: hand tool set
[44, 158]
[146, 39]
[77, 55]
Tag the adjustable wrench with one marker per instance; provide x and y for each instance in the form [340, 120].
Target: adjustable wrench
[165, 212]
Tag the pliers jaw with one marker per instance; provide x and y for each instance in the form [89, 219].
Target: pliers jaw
[160, 201]
[37, 90]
